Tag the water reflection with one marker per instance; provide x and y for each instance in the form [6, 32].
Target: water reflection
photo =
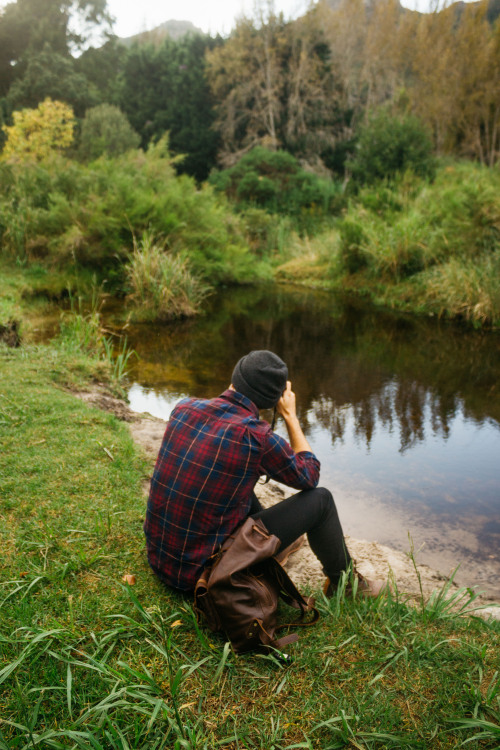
[404, 414]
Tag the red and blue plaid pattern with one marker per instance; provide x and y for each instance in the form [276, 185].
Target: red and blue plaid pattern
[212, 455]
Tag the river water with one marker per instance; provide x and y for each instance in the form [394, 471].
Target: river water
[403, 413]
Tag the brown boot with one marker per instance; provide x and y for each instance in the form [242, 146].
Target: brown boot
[366, 587]
[370, 587]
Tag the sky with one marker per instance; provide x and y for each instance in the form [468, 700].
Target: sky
[217, 16]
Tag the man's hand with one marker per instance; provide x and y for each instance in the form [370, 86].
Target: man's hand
[286, 404]
[286, 407]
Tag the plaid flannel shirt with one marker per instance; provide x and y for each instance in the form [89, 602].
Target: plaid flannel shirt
[212, 454]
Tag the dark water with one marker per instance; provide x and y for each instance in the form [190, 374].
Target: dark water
[404, 414]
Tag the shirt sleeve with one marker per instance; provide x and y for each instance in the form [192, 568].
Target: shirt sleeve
[280, 462]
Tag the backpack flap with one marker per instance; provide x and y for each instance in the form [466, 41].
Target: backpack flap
[239, 591]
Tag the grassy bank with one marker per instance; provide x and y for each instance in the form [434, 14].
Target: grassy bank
[87, 661]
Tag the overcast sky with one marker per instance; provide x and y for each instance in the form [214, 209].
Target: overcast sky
[211, 16]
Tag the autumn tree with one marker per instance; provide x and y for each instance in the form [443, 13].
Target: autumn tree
[456, 80]
[346, 29]
[434, 84]
[245, 76]
[275, 86]
[477, 114]
[38, 133]
[314, 106]
[382, 73]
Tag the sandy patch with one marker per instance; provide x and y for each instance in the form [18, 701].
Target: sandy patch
[373, 560]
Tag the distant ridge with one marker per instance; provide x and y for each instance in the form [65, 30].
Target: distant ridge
[492, 13]
[177, 29]
[369, 4]
[172, 29]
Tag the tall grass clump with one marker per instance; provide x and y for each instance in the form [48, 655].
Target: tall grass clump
[80, 327]
[81, 331]
[163, 285]
[466, 290]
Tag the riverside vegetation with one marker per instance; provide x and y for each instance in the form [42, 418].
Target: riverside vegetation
[89, 661]
[422, 243]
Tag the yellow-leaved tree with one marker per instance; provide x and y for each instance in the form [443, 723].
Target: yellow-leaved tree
[38, 133]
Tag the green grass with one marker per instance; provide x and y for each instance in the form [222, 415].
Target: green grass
[89, 662]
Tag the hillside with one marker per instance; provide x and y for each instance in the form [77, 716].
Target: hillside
[173, 29]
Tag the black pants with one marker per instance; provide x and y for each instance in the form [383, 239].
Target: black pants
[310, 512]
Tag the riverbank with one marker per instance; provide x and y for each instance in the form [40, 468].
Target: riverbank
[374, 560]
[369, 371]
[110, 663]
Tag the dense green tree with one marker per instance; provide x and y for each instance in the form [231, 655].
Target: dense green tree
[27, 27]
[102, 67]
[51, 74]
[106, 130]
[164, 89]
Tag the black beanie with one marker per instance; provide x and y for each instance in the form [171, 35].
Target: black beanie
[261, 376]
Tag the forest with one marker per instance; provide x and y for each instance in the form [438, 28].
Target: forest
[355, 146]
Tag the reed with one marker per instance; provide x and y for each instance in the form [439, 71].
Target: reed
[163, 286]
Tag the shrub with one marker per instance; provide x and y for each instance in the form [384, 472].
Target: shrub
[463, 210]
[87, 214]
[444, 236]
[163, 286]
[388, 146]
[39, 133]
[398, 232]
[275, 181]
[106, 131]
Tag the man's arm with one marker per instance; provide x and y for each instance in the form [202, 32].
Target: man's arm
[286, 407]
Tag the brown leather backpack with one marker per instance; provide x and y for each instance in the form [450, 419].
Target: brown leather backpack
[239, 591]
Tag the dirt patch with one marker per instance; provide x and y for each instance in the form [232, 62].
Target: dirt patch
[373, 560]
[9, 334]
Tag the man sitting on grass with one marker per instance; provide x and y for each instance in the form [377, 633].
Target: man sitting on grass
[213, 453]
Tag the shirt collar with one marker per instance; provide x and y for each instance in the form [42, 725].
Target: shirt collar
[238, 398]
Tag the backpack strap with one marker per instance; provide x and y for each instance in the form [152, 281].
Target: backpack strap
[292, 596]
[267, 640]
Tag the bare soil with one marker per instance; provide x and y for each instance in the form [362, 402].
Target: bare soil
[373, 560]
